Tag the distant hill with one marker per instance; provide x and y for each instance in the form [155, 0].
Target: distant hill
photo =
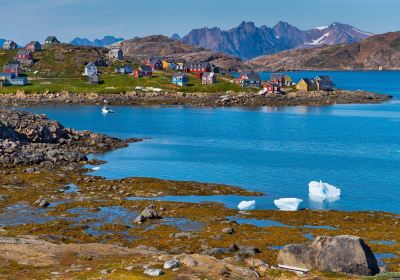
[370, 54]
[107, 40]
[248, 41]
[139, 48]
[176, 36]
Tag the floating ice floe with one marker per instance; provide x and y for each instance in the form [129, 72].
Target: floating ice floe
[247, 205]
[288, 204]
[96, 168]
[320, 191]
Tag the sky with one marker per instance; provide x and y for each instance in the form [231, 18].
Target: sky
[26, 20]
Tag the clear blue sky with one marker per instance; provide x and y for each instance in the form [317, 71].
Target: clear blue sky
[25, 20]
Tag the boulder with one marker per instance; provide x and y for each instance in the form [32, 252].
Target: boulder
[342, 254]
[171, 264]
[154, 272]
[149, 213]
[228, 230]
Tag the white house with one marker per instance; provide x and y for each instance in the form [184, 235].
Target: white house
[90, 69]
[116, 54]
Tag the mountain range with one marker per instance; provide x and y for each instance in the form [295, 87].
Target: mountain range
[107, 40]
[374, 53]
[248, 41]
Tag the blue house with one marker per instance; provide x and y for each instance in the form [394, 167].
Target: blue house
[123, 70]
[13, 80]
[180, 79]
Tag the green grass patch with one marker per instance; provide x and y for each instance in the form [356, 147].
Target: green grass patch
[113, 83]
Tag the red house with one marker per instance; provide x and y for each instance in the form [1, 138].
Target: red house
[143, 71]
[12, 68]
[24, 55]
[34, 46]
[197, 67]
[272, 87]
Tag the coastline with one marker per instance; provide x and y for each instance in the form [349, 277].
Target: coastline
[196, 99]
[82, 222]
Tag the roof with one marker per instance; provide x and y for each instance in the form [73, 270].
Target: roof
[145, 68]
[9, 42]
[154, 60]
[90, 64]
[8, 75]
[324, 79]
[51, 38]
[24, 52]
[33, 43]
[277, 76]
[11, 66]
[251, 75]
[197, 64]
[309, 82]
[208, 75]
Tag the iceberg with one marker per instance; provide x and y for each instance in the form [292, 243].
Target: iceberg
[247, 205]
[288, 204]
[96, 168]
[320, 191]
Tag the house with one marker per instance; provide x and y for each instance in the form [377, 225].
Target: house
[4, 83]
[281, 79]
[143, 71]
[34, 46]
[208, 78]
[307, 84]
[197, 67]
[325, 83]
[148, 59]
[166, 63]
[249, 79]
[51, 40]
[11, 79]
[90, 69]
[9, 45]
[156, 64]
[25, 56]
[180, 79]
[272, 87]
[180, 64]
[123, 69]
[93, 79]
[12, 67]
[116, 54]
[19, 81]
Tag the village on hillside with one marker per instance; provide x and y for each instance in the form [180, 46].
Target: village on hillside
[18, 71]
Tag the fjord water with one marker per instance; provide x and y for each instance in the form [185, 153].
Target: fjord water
[277, 151]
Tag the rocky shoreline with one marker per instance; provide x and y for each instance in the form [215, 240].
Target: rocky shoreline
[318, 98]
[58, 221]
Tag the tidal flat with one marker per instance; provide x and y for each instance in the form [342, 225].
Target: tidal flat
[97, 212]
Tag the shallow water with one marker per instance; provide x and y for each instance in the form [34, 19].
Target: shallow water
[277, 151]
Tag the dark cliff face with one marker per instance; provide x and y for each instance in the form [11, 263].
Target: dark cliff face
[248, 41]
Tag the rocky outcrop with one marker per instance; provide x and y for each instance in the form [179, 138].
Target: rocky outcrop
[27, 139]
[343, 254]
[376, 52]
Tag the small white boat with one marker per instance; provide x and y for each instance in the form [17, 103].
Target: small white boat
[106, 110]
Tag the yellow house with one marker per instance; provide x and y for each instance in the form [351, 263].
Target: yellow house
[165, 64]
[306, 84]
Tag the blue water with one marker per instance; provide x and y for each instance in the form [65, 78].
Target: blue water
[274, 150]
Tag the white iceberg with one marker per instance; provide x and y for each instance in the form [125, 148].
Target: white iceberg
[288, 204]
[96, 168]
[247, 205]
[320, 191]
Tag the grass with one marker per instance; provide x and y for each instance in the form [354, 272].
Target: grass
[384, 276]
[113, 83]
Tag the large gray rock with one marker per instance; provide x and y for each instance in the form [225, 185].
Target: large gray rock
[344, 254]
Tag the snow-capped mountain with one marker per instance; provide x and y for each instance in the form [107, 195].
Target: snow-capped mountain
[248, 41]
[107, 40]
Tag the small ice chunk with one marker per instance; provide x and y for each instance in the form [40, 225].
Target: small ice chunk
[320, 191]
[247, 205]
[96, 168]
[288, 204]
